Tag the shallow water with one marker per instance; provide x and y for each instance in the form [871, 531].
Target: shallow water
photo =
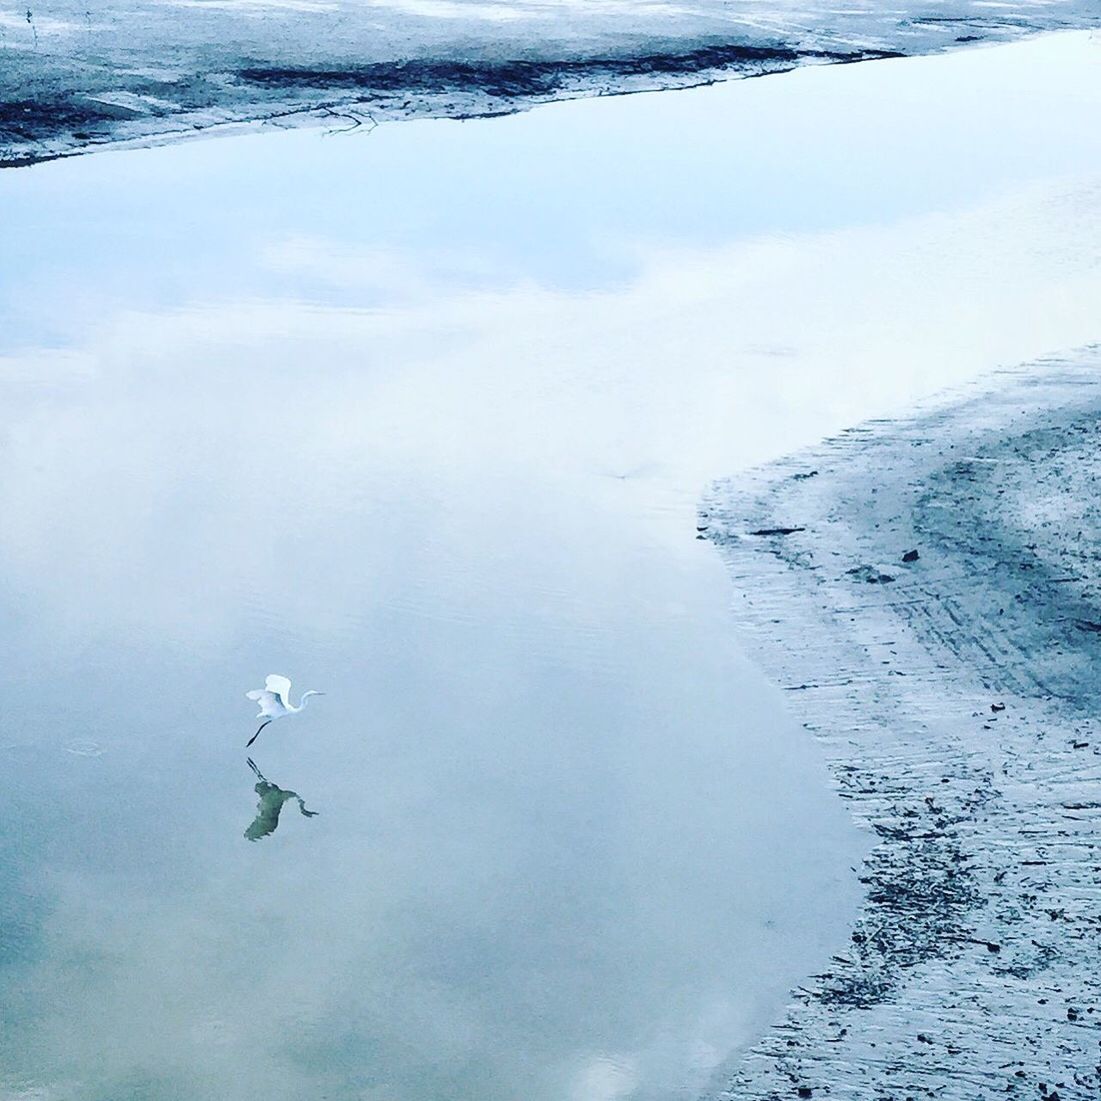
[420, 419]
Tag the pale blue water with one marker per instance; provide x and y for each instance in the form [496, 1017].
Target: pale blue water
[420, 419]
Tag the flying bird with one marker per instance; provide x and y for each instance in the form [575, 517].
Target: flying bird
[274, 700]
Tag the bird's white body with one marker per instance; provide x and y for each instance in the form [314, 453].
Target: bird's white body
[274, 700]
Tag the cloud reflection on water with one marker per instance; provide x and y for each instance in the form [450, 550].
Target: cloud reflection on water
[570, 841]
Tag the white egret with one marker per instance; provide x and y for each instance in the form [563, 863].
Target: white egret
[275, 701]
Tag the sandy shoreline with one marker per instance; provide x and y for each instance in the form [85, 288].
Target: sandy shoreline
[956, 697]
[349, 98]
[144, 73]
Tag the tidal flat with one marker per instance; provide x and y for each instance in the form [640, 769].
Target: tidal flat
[145, 71]
[928, 594]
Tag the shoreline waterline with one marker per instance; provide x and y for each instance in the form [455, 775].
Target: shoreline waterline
[924, 591]
[148, 74]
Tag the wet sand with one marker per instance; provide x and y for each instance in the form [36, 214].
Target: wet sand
[928, 593]
[143, 72]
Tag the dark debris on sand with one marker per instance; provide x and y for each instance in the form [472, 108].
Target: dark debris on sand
[958, 708]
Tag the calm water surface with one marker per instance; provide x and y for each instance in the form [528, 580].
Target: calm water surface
[420, 419]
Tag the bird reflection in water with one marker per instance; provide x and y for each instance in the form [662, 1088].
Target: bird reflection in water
[272, 798]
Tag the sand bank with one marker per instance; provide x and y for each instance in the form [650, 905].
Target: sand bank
[142, 71]
[928, 591]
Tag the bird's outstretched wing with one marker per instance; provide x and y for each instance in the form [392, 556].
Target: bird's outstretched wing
[281, 686]
[269, 702]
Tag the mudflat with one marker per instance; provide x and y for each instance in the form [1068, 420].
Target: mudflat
[928, 592]
[146, 71]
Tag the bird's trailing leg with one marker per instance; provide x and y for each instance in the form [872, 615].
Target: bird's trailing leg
[257, 734]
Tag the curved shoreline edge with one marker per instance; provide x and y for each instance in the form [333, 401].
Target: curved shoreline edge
[58, 103]
[346, 98]
[957, 697]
